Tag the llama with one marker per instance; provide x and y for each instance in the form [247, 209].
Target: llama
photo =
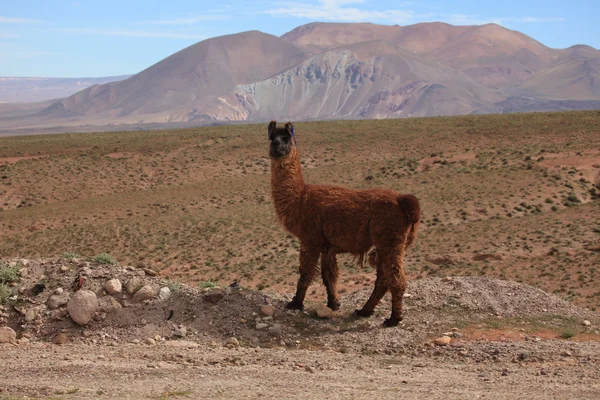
[330, 220]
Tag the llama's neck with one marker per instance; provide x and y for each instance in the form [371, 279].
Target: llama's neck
[287, 185]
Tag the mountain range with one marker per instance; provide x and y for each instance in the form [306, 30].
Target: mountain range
[335, 71]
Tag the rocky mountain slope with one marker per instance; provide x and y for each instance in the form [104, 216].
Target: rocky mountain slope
[325, 71]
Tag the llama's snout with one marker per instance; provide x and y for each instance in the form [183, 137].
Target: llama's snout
[280, 146]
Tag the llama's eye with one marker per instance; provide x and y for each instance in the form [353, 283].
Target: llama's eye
[285, 140]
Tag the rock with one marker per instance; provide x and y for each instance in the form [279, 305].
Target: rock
[310, 369]
[149, 272]
[586, 323]
[109, 304]
[442, 341]
[164, 293]
[23, 340]
[7, 335]
[145, 293]
[323, 311]
[261, 326]
[61, 338]
[82, 306]
[31, 315]
[58, 300]
[214, 296]
[232, 342]
[113, 286]
[133, 285]
[180, 331]
[59, 290]
[64, 268]
[276, 330]
[150, 342]
[447, 279]
[456, 335]
[268, 310]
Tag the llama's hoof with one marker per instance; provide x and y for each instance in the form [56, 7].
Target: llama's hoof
[334, 305]
[292, 305]
[391, 322]
[363, 313]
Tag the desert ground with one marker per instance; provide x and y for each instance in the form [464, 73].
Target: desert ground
[507, 255]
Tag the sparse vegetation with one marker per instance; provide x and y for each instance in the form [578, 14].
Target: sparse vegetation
[8, 274]
[105, 258]
[207, 284]
[195, 203]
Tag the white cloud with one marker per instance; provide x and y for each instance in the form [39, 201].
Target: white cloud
[11, 20]
[337, 10]
[128, 33]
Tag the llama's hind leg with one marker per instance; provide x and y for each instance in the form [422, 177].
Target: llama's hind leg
[379, 291]
[330, 272]
[398, 283]
[309, 258]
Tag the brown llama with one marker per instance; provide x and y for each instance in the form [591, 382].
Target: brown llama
[329, 220]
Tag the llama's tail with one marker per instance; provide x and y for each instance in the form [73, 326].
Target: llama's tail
[410, 205]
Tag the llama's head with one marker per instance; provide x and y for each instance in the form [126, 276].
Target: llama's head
[282, 140]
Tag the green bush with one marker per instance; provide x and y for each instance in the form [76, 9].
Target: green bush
[8, 274]
[105, 258]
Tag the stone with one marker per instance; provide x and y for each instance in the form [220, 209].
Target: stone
[447, 279]
[59, 290]
[310, 369]
[31, 315]
[276, 330]
[109, 304]
[214, 296]
[323, 311]
[82, 306]
[180, 331]
[150, 342]
[113, 286]
[261, 326]
[61, 338]
[442, 341]
[149, 272]
[145, 293]
[267, 310]
[232, 342]
[586, 323]
[7, 335]
[164, 293]
[23, 340]
[133, 285]
[58, 300]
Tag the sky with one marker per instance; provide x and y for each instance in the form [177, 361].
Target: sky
[97, 38]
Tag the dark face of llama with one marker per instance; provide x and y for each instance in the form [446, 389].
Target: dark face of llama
[282, 140]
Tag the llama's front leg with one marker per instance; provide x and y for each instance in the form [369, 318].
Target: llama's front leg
[378, 292]
[330, 272]
[308, 271]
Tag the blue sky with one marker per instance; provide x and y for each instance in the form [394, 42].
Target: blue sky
[87, 38]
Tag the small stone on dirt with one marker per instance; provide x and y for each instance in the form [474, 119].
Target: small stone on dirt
[447, 279]
[261, 326]
[82, 306]
[7, 335]
[164, 293]
[586, 323]
[145, 293]
[113, 286]
[267, 310]
[31, 315]
[276, 330]
[180, 331]
[58, 300]
[150, 341]
[61, 338]
[323, 311]
[149, 272]
[133, 285]
[232, 342]
[214, 296]
[442, 341]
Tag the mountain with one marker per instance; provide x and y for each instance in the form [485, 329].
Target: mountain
[366, 80]
[333, 70]
[29, 89]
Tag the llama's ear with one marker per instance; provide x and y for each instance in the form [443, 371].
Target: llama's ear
[271, 128]
[290, 129]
